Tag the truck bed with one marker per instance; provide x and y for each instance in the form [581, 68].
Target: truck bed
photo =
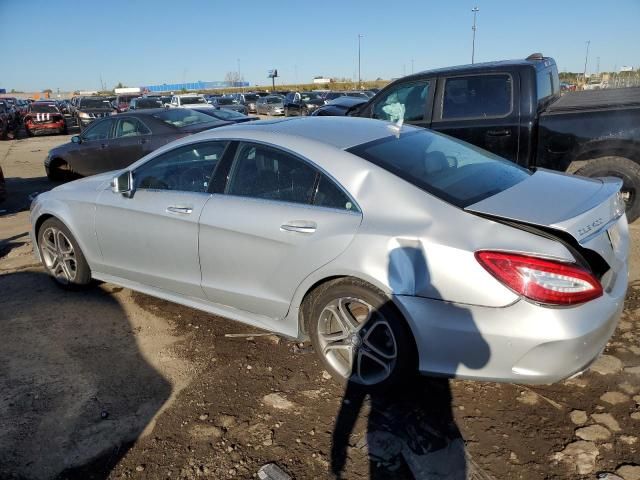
[613, 98]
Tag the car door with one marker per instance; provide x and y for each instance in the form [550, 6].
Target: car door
[410, 101]
[91, 155]
[480, 109]
[278, 220]
[151, 237]
[129, 144]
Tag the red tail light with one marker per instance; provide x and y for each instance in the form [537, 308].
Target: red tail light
[545, 281]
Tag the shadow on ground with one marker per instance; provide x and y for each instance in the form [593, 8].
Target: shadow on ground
[74, 384]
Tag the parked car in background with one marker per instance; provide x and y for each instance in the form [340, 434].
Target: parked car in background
[8, 121]
[391, 248]
[339, 107]
[188, 100]
[65, 107]
[117, 141]
[270, 105]
[90, 108]
[301, 103]
[248, 100]
[140, 103]
[44, 117]
[225, 114]
[121, 102]
[229, 103]
[514, 109]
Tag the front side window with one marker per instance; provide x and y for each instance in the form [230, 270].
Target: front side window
[130, 127]
[406, 101]
[267, 173]
[188, 168]
[477, 96]
[100, 130]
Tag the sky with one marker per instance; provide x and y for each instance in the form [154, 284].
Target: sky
[79, 44]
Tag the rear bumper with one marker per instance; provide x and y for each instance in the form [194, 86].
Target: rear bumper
[520, 343]
[36, 128]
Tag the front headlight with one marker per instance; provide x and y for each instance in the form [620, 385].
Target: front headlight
[83, 115]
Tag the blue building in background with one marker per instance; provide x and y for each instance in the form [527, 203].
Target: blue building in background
[176, 87]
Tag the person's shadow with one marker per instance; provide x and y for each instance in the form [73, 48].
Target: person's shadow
[411, 431]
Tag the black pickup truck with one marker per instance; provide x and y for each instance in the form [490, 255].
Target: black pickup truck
[514, 109]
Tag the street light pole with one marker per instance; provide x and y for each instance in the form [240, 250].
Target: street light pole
[359, 76]
[586, 59]
[475, 11]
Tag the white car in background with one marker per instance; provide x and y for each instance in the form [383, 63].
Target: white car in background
[188, 100]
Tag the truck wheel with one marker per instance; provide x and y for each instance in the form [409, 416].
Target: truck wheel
[626, 170]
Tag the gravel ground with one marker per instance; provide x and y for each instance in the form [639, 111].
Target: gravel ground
[109, 383]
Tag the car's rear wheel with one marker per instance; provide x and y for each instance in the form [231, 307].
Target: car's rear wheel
[286, 112]
[625, 169]
[359, 334]
[61, 255]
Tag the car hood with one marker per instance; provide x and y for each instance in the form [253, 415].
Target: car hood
[576, 205]
[92, 183]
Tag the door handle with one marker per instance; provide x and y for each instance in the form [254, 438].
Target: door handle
[104, 145]
[299, 226]
[143, 141]
[179, 210]
[499, 133]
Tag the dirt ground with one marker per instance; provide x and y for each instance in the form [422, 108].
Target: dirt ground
[109, 383]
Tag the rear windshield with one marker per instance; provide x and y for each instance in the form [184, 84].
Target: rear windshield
[274, 99]
[43, 108]
[251, 97]
[453, 171]
[148, 103]
[181, 117]
[225, 114]
[226, 101]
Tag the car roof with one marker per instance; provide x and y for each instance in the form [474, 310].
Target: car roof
[339, 132]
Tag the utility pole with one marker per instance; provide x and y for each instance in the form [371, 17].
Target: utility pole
[359, 75]
[598, 66]
[475, 11]
[586, 59]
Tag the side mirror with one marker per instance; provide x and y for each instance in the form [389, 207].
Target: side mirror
[76, 139]
[123, 184]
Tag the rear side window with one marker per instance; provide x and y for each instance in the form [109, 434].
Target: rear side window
[546, 84]
[449, 169]
[477, 96]
[270, 174]
[329, 195]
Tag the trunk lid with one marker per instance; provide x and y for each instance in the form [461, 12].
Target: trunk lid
[588, 210]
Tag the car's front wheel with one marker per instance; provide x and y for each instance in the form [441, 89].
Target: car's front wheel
[61, 255]
[359, 334]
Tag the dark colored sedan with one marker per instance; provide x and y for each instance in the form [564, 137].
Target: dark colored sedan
[339, 107]
[116, 142]
[225, 114]
[302, 103]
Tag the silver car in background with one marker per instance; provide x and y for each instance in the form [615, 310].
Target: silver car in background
[391, 248]
[270, 105]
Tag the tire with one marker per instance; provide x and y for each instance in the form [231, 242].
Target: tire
[61, 255]
[59, 171]
[29, 132]
[286, 112]
[626, 170]
[355, 329]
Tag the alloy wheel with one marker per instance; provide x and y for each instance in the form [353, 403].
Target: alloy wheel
[59, 255]
[357, 341]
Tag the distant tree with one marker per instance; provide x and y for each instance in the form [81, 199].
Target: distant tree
[13, 90]
[232, 78]
[120, 85]
[47, 90]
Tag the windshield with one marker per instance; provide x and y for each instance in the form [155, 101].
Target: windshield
[126, 99]
[453, 171]
[181, 117]
[226, 101]
[192, 100]
[306, 97]
[94, 103]
[43, 108]
[224, 114]
[274, 99]
[251, 97]
[148, 103]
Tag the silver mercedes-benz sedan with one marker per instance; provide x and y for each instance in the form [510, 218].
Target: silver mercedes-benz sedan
[391, 247]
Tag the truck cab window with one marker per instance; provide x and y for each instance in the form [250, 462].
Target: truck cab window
[477, 96]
